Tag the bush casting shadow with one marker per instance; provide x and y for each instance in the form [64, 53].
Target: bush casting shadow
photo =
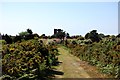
[51, 73]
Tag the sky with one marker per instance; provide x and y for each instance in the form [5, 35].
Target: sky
[76, 18]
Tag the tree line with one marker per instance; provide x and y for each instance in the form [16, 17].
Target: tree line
[28, 34]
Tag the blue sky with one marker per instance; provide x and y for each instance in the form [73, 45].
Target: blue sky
[76, 18]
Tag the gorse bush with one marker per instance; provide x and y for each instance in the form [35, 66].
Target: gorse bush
[104, 54]
[27, 60]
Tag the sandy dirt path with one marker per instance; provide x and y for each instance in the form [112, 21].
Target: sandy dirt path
[73, 67]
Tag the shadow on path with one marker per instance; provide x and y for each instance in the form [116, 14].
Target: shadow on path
[55, 72]
[58, 63]
[51, 73]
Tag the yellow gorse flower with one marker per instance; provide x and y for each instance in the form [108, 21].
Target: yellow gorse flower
[12, 49]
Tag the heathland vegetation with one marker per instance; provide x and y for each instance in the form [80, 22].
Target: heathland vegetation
[28, 56]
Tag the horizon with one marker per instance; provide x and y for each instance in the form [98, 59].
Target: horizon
[63, 31]
[74, 18]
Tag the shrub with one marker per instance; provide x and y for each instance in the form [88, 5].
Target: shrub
[27, 60]
[104, 54]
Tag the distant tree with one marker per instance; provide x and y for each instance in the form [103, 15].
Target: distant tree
[53, 36]
[107, 35]
[87, 36]
[36, 35]
[30, 36]
[17, 38]
[67, 35]
[8, 39]
[29, 31]
[101, 35]
[93, 35]
[118, 35]
[43, 36]
[23, 33]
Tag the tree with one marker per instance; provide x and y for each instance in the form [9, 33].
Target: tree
[87, 36]
[17, 38]
[101, 35]
[29, 31]
[30, 36]
[23, 33]
[36, 35]
[8, 39]
[43, 36]
[93, 35]
[27, 34]
[118, 35]
[67, 35]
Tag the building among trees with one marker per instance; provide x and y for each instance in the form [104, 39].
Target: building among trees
[57, 31]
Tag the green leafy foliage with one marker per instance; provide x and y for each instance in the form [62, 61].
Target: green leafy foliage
[8, 39]
[105, 54]
[27, 60]
[93, 35]
[29, 31]
[23, 33]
